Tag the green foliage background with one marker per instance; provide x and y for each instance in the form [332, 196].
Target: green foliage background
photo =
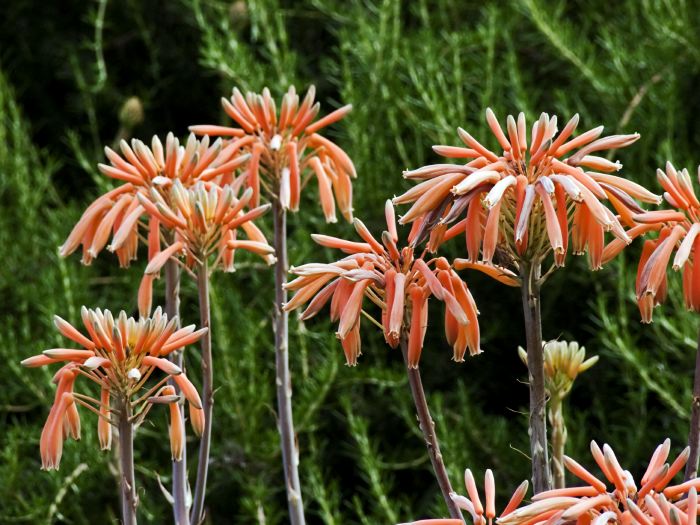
[414, 71]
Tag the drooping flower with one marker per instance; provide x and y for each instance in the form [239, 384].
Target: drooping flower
[678, 231]
[119, 355]
[397, 281]
[536, 197]
[481, 513]
[204, 219]
[119, 213]
[651, 501]
[284, 144]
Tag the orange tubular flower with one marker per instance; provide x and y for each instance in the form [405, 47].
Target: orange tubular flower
[120, 355]
[284, 144]
[536, 197]
[678, 231]
[205, 219]
[396, 281]
[651, 501]
[119, 212]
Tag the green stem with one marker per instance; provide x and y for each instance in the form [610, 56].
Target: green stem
[172, 308]
[427, 427]
[126, 463]
[541, 476]
[290, 453]
[556, 419]
[197, 515]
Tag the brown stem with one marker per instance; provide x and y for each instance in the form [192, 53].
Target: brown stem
[427, 426]
[197, 515]
[541, 476]
[126, 463]
[556, 419]
[172, 309]
[691, 467]
[290, 454]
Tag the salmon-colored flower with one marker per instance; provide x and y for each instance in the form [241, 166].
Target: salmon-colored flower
[651, 501]
[119, 355]
[119, 213]
[204, 219]
[284, 144]
[678, 231]
[481, 513]
[395, 280]
[534, 198]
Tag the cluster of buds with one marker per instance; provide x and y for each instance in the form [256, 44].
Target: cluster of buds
[204, 219]
[395, 280]
[120, 355]
[119, 212]
[563, 362]
[526, 202]
[284, 144]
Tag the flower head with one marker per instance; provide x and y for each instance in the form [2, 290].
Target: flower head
[652, 501]
[481, 513]
[284, 144]
[528, 200]
[563, 362]
[678, 231]
[119, 213]
[204, 219]
[119, 355]
[395, 280]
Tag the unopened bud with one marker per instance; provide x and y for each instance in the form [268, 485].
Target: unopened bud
[131, 113]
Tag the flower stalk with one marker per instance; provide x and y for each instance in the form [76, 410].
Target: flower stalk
[172, 309]
[427, 426]
[290, 454]
[537, 427]
[691, 468]
[127, 479]
[197, 515]
[559, 434]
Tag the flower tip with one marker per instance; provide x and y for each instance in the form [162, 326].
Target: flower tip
[28, 361]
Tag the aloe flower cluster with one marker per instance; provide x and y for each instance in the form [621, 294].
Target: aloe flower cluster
[619, 498]
[204, 220]
[120, 355]
[397, 281]
[532, 197]
[120, 213]
[284, 144]
[678, 231]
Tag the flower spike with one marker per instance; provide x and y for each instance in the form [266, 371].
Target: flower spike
[120, 355]
[397, 281]
[538, 196]
[285, 146]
